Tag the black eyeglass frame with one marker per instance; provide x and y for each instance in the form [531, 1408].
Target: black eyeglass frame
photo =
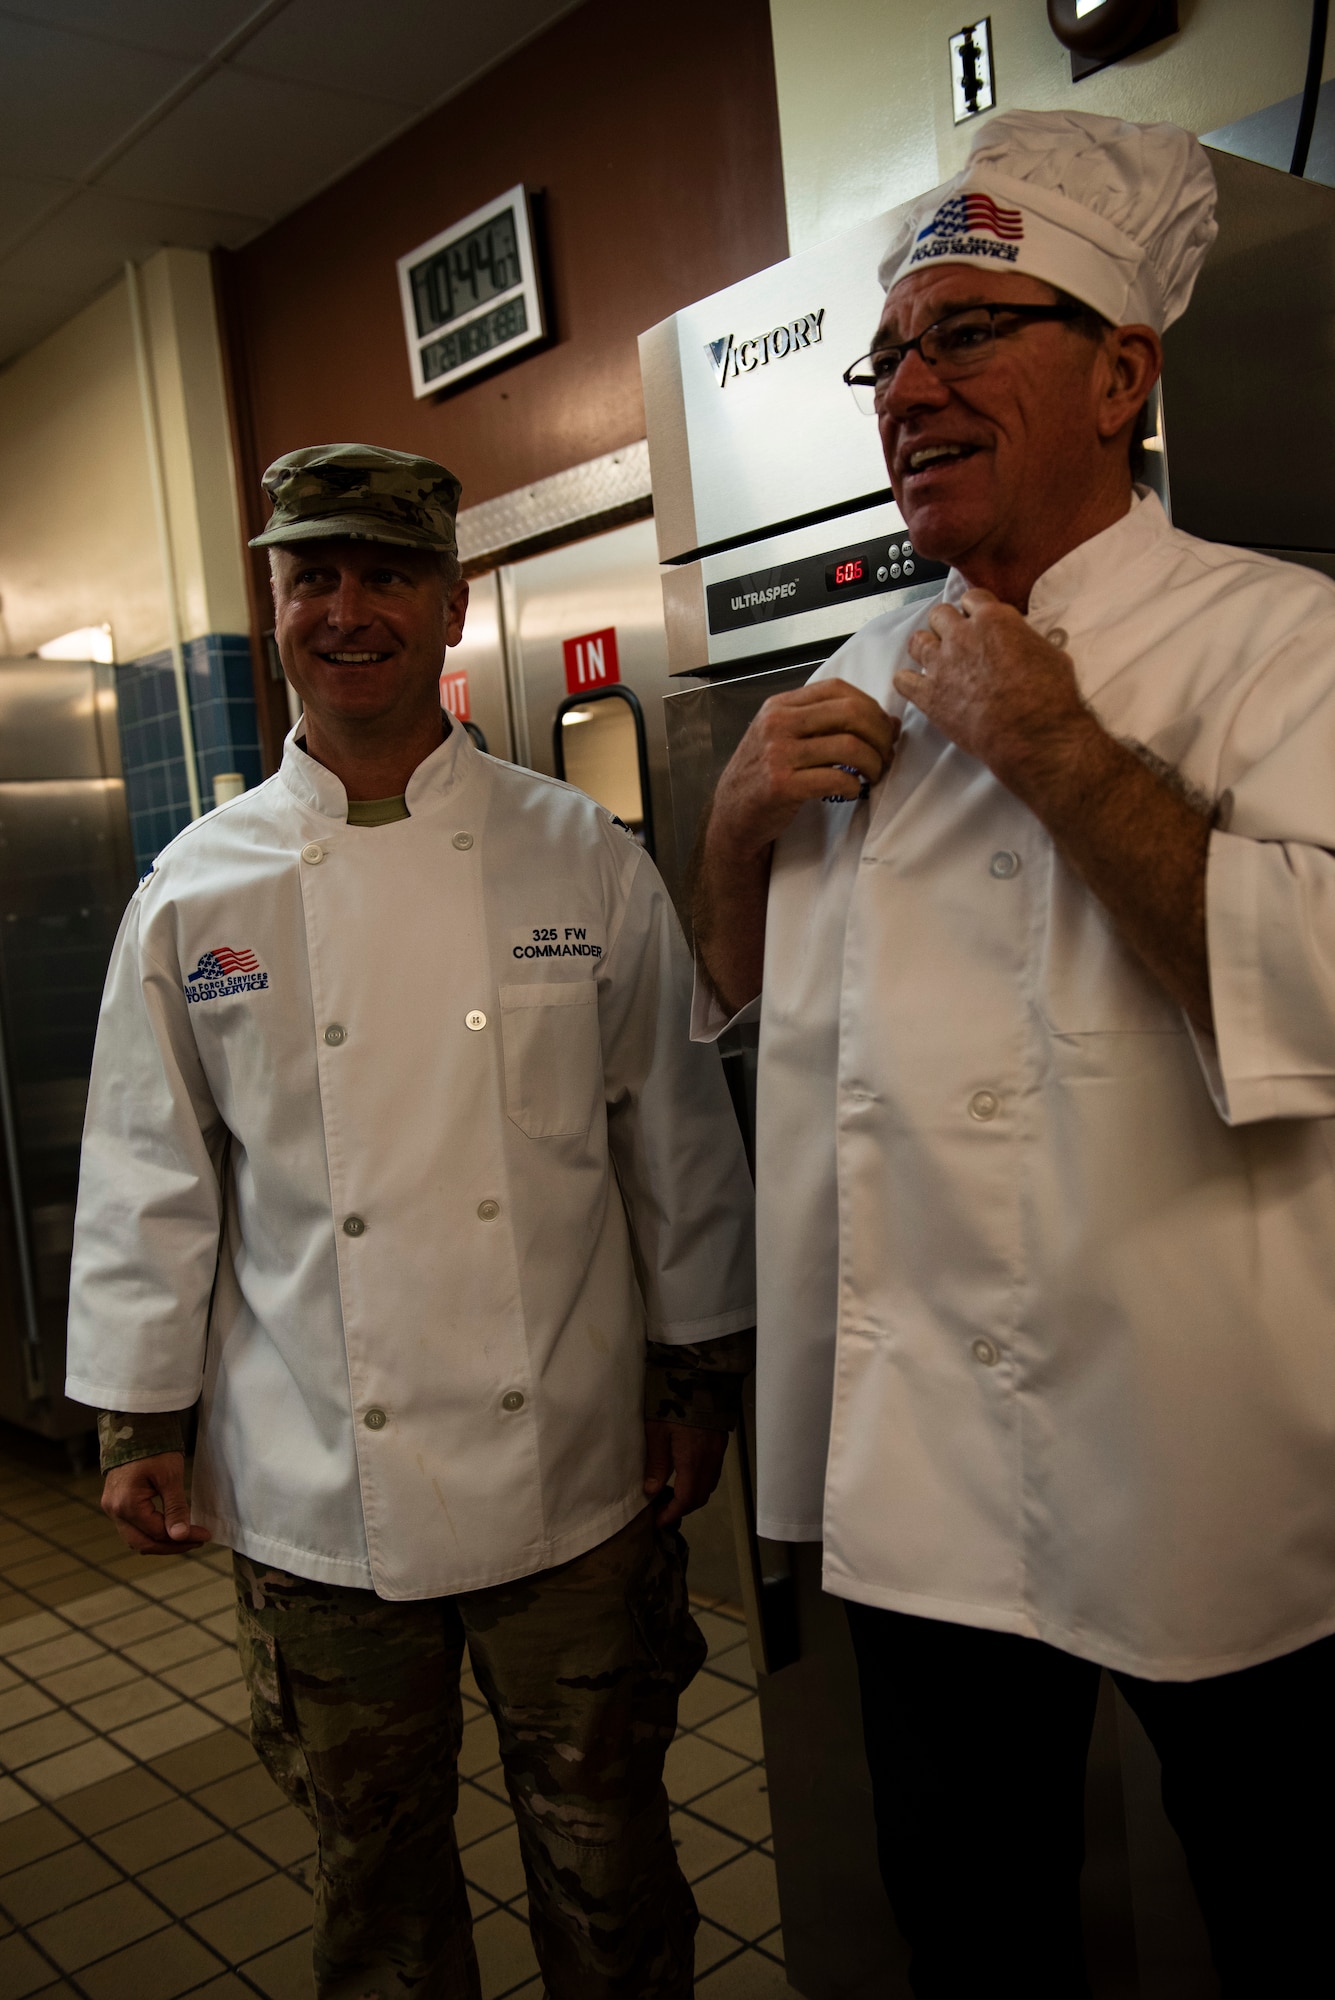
[902, 348]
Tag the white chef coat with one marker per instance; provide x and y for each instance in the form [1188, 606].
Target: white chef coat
[473, 1163]
[1050, 1275]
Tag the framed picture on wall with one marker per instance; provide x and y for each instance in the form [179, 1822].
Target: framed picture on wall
[472, 295]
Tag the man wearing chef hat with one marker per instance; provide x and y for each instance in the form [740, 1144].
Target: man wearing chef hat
[398, 1157]
[1047, 1174]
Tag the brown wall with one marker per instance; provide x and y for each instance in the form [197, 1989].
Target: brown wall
[651, 127]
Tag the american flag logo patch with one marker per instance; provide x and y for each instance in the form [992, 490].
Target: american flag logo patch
[965, 214]
[225, 970]
[963, 226]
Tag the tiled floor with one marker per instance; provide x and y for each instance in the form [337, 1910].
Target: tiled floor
[144, 1853]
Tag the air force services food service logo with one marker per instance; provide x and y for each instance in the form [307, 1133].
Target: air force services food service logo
[971, 225]
[222, 972]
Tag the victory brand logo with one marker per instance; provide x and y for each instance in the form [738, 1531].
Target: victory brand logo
[223, 971]
[730, 357]
[971, 225]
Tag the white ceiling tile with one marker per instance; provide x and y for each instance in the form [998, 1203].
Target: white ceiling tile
[22, 200]
[87, 243]
[173, 27]
[65, 98]
[413, 51]
[253, 145]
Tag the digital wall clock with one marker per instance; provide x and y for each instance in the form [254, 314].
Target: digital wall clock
[472, 296]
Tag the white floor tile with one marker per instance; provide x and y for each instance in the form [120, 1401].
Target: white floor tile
[103, 1604]
[21, 1633]
[67, 1651]
[74, 1769]
[14, 1800]
[119, 1706]
[159, 1733]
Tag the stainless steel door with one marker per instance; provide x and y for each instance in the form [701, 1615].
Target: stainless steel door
[609, 581]
[481, 657]
[65, 874]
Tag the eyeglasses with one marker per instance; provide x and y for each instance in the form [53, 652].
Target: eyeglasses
[960, 344]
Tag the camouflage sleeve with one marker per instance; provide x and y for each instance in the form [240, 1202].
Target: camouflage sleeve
[700, 1384]
[125, 1435]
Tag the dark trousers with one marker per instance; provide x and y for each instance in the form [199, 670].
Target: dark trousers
[977, 1744]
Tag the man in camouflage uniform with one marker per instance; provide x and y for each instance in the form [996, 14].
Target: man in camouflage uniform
[425, 1420]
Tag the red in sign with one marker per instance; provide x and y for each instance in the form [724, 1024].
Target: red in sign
[454, 692]
[591, 661]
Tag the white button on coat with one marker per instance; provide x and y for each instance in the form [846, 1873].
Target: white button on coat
[626, 1208]
[1149, 1238]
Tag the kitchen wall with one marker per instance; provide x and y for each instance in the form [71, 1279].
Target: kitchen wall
[864, 88]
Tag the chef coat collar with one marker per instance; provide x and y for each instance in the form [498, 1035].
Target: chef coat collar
[1070, 596]
[434, 779]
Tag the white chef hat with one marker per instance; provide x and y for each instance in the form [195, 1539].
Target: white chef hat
[1119, 215]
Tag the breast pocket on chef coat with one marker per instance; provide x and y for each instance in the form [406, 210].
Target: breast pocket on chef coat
[1091, 983]
[553, 1056]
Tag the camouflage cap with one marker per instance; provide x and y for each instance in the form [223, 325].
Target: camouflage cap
[360, 493]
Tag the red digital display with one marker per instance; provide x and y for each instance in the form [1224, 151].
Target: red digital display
[848, 572]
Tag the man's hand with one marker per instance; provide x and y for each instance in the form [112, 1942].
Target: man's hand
[694, 1455]
[1132, 830]
[991, 684]
[129, 1497]
[793, 752]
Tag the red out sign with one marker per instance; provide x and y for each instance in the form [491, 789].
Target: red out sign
[591, 661]
[454, 692]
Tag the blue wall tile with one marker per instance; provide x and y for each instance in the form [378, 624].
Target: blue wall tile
[222, 712]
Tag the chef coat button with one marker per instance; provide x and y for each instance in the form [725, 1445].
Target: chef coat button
[475, 1020]
[353, 1226]
[984, 1104]
[487, 1211]
[512, 1400]
[312, 852]
[1059, 638]
[463, 841]
[1004, 864]
[335, 1034]
[985, 1353]
[375, 1419]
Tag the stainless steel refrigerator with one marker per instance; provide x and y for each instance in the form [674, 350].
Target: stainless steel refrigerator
[66, 871]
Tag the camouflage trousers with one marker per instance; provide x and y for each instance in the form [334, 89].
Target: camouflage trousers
[356, 1711]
